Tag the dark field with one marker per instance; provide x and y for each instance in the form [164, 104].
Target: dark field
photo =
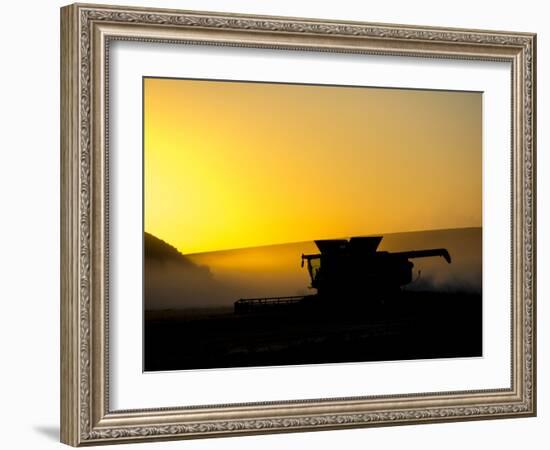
[413, 325]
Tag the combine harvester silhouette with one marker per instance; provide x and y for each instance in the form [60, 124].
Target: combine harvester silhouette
[348, 272]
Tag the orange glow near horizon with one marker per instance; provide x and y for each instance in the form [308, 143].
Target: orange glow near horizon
[236, 164]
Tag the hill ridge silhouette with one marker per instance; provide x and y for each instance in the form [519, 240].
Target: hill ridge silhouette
[156, 249]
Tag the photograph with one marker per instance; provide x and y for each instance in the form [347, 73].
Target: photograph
[289, 224]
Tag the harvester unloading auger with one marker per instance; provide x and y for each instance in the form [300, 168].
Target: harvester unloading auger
[349, 271]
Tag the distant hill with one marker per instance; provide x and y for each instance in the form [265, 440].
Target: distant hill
[156, 249]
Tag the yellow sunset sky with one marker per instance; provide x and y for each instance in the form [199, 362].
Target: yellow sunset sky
[238, 164]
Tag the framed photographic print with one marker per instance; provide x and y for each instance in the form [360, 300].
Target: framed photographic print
[276, 224]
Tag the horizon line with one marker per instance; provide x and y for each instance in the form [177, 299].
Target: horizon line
[312, 240]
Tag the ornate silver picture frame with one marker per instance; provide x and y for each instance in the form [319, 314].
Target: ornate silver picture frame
[87, 413]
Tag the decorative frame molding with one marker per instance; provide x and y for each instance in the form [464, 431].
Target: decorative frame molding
[86, 31]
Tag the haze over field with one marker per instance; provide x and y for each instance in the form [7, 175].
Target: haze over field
[218, 279]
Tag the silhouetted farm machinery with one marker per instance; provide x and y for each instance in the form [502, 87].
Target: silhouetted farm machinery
[348, 272]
